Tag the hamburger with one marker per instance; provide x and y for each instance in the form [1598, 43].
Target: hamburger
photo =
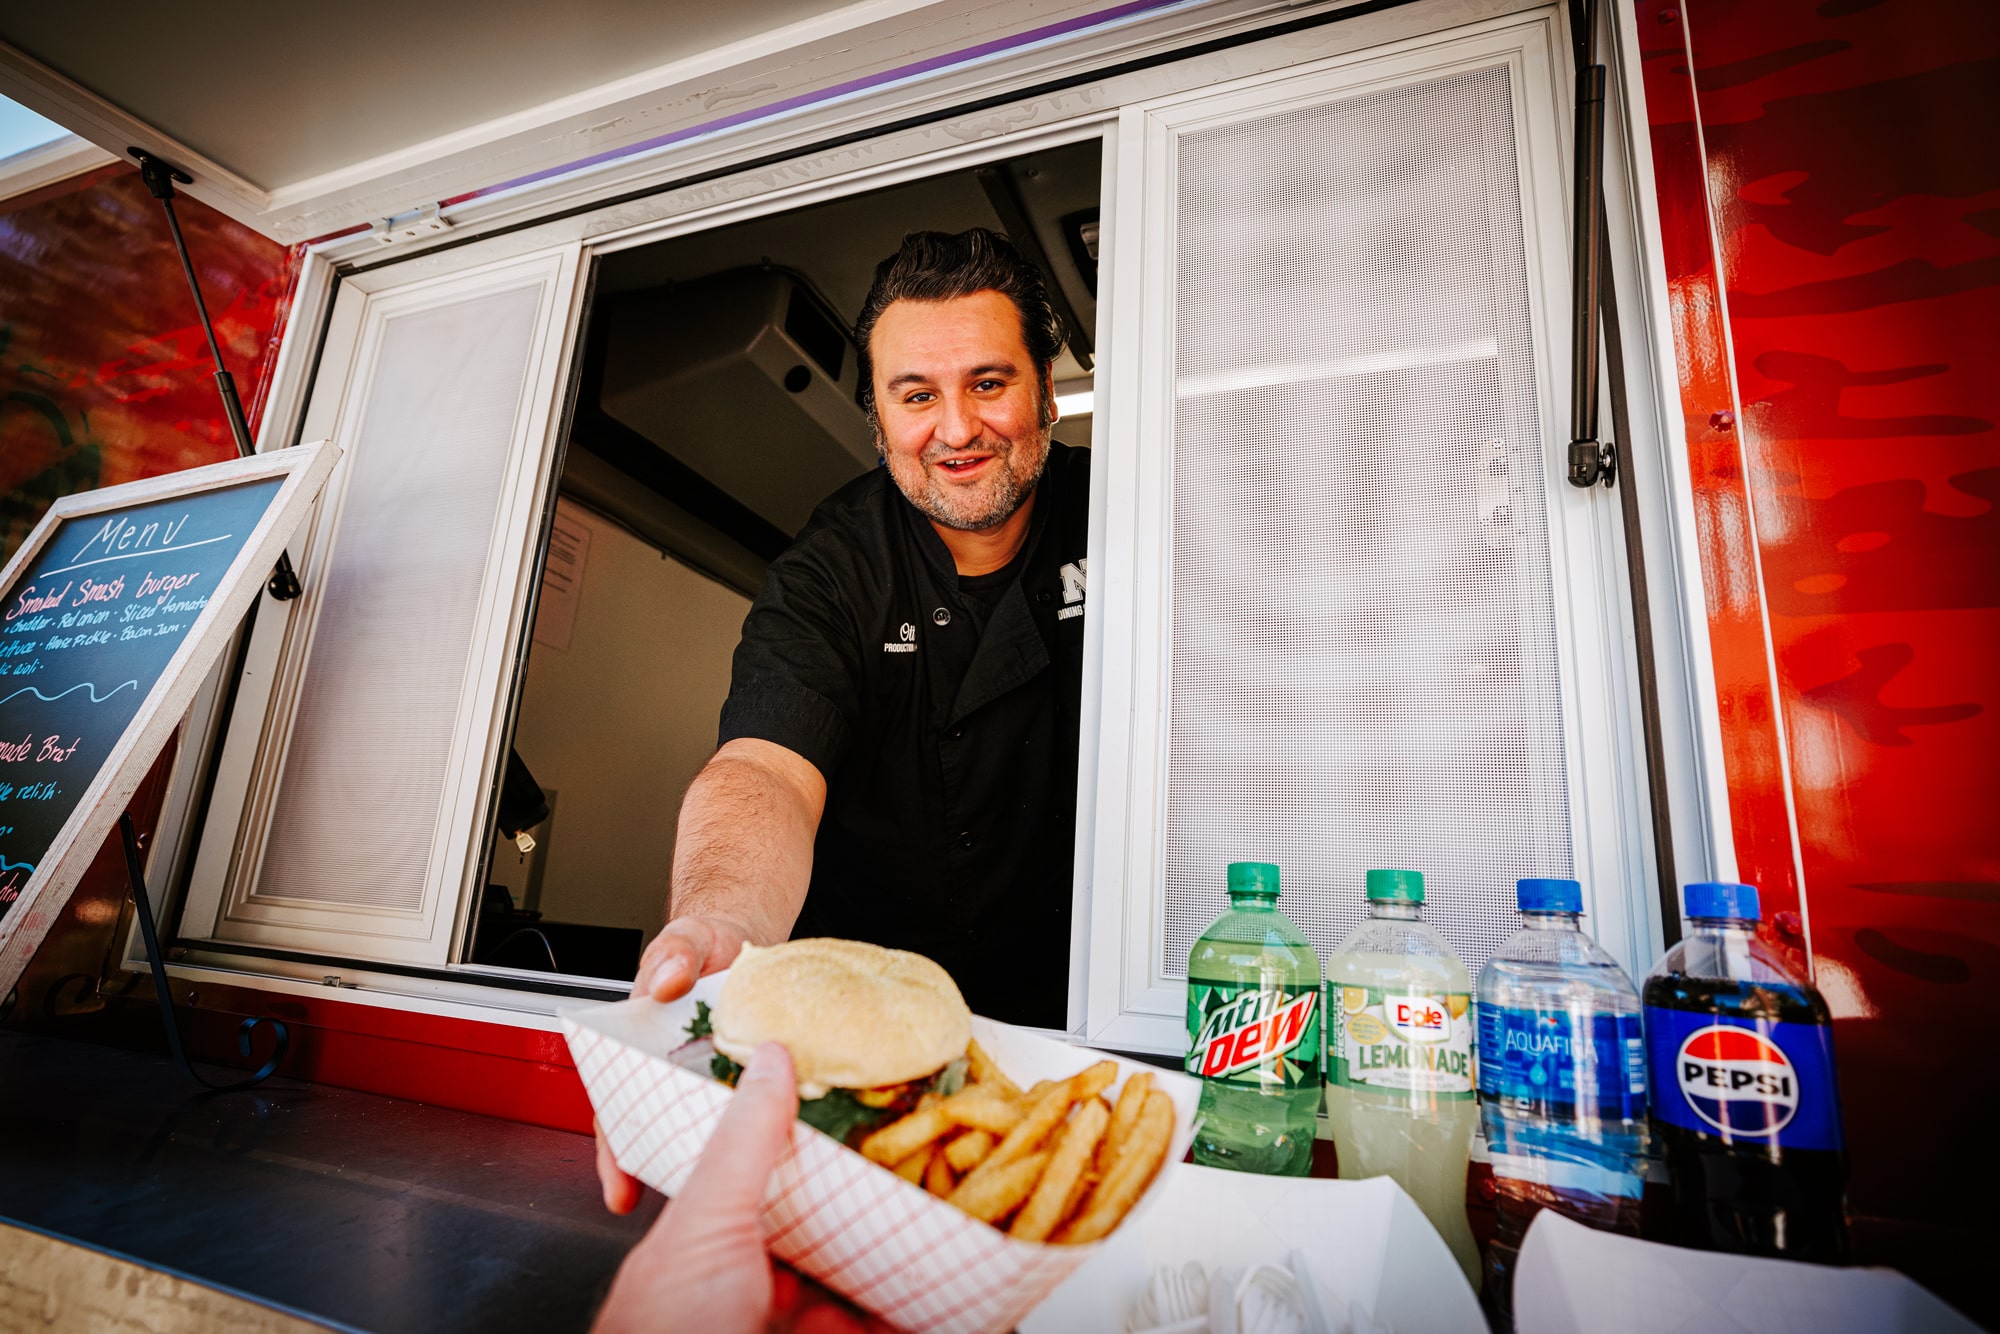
[870, 1030]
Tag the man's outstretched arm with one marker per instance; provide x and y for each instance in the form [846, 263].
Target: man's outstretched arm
[742, 862]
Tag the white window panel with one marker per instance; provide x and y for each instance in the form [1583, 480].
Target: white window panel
[1364, 620]
[346, 810]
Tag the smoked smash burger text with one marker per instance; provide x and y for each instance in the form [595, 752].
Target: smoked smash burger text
[870, 1030]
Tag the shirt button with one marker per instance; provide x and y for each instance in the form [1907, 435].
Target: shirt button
[941, 617]
[1045, 597]
[965, 840]
[958, 734]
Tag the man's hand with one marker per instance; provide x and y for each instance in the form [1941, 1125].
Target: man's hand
[742, 860]
[689, 947]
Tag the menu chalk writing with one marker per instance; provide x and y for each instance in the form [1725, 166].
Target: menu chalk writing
[85, 632]
[111, 613]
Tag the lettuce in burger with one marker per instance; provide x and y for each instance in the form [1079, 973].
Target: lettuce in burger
[870, 1030]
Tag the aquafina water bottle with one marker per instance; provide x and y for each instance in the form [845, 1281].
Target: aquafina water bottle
[1562, 1081]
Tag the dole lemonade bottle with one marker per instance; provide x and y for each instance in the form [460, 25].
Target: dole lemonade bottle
[1254, 1032]
[1399, 1043]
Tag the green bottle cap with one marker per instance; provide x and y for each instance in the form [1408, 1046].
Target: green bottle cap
[1259, 878]
[1396, 886]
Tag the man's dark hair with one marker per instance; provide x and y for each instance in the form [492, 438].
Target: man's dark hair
[940, 266]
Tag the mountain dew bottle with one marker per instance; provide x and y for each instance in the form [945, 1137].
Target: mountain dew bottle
[1254, 1032]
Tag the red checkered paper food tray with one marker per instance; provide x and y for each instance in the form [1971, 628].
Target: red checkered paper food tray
[860, 1229]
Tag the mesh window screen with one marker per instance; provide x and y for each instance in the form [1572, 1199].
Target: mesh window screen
[357, 805]
[1364, 636]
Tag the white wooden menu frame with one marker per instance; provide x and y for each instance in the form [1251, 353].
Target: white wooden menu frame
[304, 469]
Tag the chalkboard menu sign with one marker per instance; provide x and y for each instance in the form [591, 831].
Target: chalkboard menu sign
[110, 614]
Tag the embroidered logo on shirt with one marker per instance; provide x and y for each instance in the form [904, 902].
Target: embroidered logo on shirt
[1074, 582]
[908, 634]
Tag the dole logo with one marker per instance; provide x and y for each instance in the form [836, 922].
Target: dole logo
[1737, 1081]
[1418, 1018]
[1254, 1029]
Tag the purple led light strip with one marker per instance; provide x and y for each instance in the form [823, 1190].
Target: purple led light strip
[965, 56]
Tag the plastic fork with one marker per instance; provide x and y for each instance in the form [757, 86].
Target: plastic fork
[1175, 1302]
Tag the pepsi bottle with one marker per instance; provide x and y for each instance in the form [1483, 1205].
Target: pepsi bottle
[1740, 1063]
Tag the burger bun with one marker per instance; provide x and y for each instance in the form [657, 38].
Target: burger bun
[852, 1015]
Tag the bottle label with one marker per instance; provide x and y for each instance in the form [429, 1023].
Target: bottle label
[1568, 1176]
[1752, 1081]
[1260, 1038]
[1536, 1055]
[1414, 1041]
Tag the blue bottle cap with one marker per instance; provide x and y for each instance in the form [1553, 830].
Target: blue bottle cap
[1712, 899]
[1549, 895]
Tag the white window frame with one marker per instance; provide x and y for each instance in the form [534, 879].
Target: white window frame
[322, 316]
[1133, 1002]
[222, 901]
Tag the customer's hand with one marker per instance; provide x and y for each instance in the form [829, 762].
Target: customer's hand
[688, 948]
[702, 1266]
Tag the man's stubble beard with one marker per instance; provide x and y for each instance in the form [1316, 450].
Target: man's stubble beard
[998, 501]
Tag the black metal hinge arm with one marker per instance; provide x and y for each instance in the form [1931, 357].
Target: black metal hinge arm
[1591, 461]
[160, 178]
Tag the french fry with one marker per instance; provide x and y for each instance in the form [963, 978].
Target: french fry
[1091, 1082]
[899, 1139]
[981, 1109]
[984, 1071]
[1045, 1208]
[1025, 1138]
[993, 1196]
[968, 1150]
[911, 1169]
[1144, 1151]
[1061, 1160]
[1085, 1184]
[1131, 1100]
[938, 1179]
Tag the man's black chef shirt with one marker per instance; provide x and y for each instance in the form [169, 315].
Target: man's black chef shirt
[943, 714]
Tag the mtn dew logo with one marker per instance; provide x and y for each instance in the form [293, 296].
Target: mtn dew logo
[1260, 1038]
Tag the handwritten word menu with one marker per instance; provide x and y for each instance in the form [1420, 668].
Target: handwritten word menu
[85, 632]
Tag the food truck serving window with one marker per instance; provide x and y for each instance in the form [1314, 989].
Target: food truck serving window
[1340, 613]
[1374, 616]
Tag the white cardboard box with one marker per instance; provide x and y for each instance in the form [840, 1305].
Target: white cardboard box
[860, 1229]
[1365, 1241]
[1573, 1280]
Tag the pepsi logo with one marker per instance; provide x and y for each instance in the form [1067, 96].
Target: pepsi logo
[1737, 1081]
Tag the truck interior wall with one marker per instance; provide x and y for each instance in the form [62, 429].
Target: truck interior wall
[616, 718]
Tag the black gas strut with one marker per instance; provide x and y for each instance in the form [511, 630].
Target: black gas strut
[159, 178]
[1590, 461]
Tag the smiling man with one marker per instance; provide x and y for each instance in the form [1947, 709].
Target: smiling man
[898, 750]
